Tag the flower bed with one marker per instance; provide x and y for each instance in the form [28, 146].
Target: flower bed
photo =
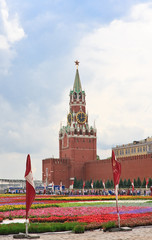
[75, 211]
[94, 218]
[82, 209]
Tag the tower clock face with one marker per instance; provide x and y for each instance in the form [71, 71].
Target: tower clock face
[69, 118]
[81, 117]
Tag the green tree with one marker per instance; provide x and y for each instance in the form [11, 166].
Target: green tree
[128, 183]
[112, 184]
[80, 184]
[75, 185]
[150, 182]
[97, 184]
[87, 185]
[121, 185]
[101, 184]
[135, 183]
[138, 182]
[144, 183]
[108, 184]
[125, 183]
[94, 184]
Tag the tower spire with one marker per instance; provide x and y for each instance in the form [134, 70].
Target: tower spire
[77, 63]
[77, 83]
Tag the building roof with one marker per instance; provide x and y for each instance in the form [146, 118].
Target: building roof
[77, 83]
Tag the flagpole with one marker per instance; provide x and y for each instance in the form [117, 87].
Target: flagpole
[116, 168]
[116, 193]
[30, 191]
[26, 228]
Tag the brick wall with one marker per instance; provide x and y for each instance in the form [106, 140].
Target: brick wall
[131, 168]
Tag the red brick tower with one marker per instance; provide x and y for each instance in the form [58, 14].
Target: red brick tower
[77, 141]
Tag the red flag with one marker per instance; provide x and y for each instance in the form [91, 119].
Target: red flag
[147, 181]
[103, 184]
[30, 190]
[83, 184]
[116, 168]
[132, 186]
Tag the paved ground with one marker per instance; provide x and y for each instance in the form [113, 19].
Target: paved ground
[139, 233]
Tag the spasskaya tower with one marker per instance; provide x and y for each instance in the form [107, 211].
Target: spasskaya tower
[77, 140]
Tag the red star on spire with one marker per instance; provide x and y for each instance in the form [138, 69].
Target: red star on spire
[77, 63]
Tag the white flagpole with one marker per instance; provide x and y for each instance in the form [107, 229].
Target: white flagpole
[116, 192]
[26, 227]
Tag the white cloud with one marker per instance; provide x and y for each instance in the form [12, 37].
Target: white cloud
[28, 131]
[116, 70]
[11, 32]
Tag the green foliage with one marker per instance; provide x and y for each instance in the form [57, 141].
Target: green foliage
[144, 183]
[112, 184]
[12, 228]
[75, 183]
[15, 228]
[108, 184]
[125, 183]
[88, 184]
[78, 184]
[98, 184]
[150, 182]
[128, 183]
[138, 182]
[108, 225]
[121, 185]
[135, 183]
[101, 184]
[78, 229]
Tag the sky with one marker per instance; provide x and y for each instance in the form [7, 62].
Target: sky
[39, 42]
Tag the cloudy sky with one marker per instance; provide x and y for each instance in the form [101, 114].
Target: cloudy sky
[39, 42]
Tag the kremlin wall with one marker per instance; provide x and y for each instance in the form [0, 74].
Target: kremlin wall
[78, 149]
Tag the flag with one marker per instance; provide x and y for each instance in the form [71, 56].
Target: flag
[30, 190]
[83, 184]
[103, 184]
[147, 181]
[52, 186]
[116, 168]
[92, 184]
[132, 183]
[72, 184]
[44, 192]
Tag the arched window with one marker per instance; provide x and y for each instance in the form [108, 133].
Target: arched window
[80, 96]
[75, 95]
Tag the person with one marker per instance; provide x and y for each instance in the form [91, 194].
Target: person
[128, 192]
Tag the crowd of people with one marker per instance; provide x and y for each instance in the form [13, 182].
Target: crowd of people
[103, 192]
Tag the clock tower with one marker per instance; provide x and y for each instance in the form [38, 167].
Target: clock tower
[77, 140]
